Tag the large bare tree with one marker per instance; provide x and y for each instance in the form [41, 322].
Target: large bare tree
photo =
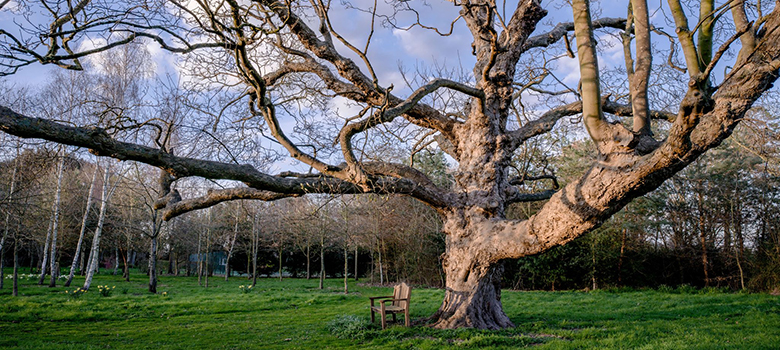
[283, 57]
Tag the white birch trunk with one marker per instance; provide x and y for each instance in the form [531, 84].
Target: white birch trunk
[84, 219]
[45, 260]
[255, 247]
[116, 259]
[15, 291]
[93, 255]
[54, 267]
[230, 251]
[208, 250]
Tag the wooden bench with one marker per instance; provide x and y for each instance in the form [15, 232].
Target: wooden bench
[400, 303]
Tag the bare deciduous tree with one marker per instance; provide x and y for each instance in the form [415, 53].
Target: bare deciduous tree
[273, 47]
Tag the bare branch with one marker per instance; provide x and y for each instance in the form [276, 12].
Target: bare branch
[561, 29]
[100, 143]
[213, 197]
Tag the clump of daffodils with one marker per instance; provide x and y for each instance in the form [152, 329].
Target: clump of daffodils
[77, 293]
[245, 289]
[106, 290]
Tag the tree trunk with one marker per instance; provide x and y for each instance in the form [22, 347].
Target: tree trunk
[208, 252]
[126, 274]
[153, 263]
[230, 251]
[82, 272]
[200, 258]
[54, 266]
[92, 262]
[78, 256]
[116, 259]
[280, 264]
[593, 262]
[703, 238]
[346, 268]
[371, 251]
[170, 263]
[356, 263]
[381, 269]
[255, 244]
[473, 294]
[620, 259]
[322, 260]
[308, 259]
[45, 258]
[15, 291]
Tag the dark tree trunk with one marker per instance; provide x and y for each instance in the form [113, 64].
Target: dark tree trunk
[356, 263]
[620, 259]
[153, 265]
[308, 261]
[322, 261]
[15, 291]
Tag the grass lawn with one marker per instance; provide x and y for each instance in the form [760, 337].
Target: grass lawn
[293, 314]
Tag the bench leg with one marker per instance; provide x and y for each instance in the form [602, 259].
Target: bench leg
[394, 320]
[406, 316]
[372, 315]
[384, 321]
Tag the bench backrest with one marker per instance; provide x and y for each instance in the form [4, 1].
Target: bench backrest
[402, 291]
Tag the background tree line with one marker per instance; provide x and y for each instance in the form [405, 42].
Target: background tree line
[714, 224]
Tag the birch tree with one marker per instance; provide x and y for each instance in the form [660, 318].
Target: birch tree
[84, 219]
[273, 47]
[105, 197]
[50, 247]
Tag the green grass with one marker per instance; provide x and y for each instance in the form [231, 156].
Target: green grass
[293, 314]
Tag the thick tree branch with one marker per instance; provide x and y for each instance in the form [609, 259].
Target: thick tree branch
[592, 116]
[748, 38]
[547, 121]
[173, 209]
[685, 37]
[101, 144]
[542, 125]
[608, 138]
[561, 29]
[639, 81]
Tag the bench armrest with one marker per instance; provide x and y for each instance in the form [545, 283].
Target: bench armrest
[386, 300]
[374, 298]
